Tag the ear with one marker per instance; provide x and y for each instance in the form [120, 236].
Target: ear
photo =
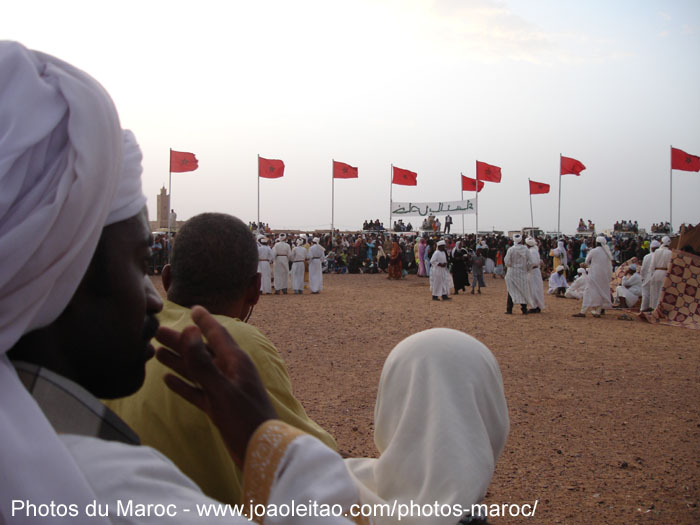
[166, 276]
[252, 292]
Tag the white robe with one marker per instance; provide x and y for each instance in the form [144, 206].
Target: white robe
[440, 275]
[534, 275]
[575, 291]
[309, 470]
[282, 251]
[299, 255]
[557, 281]
[645, 274]
[517, 282]
[597, 293]
[440, 424]
[265, 256]
[316, 258]
[630, 289]
[659, 264]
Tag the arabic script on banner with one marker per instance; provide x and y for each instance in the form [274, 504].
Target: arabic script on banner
[424, 209]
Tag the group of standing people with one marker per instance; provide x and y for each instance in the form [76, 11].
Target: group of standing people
[290, 264]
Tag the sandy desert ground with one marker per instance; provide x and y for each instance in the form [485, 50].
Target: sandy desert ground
[605, 413]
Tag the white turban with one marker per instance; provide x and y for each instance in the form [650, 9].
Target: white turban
[601, 240]
[441, 243]
[440, 402]
[517, 238]
[581, 271]
[530, 241]
[633, 267]
[560, 268]
[665, 240]
[66, 171]
[655, 244]
[316, 240]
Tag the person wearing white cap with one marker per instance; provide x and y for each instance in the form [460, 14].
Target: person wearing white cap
[557, 282]
[575, 291]
[517, 260]
[299, 256]
[646, 273]
[534, 274]
[596, 296]
[77, 313]
[439, 273]
[659, 263]
[316, 258]
[282, 252]
[265, 257]
[630, 288]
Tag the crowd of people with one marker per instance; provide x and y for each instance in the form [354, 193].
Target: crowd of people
[373, 226]
[661, 227]
[582, 226]
[626, 226]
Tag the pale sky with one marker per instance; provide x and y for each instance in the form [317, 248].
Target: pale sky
[430, 86]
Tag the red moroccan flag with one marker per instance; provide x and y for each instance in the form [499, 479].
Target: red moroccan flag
[469, 184]
[538, 187]
[404, 177]
[571, 166]
[680, 160]
[270, 168]
[343, 171]
[487, 172]
[181, 161]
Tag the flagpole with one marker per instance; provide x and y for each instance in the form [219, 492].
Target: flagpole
[258, 188]
[559, 206]
[532, 220]
[670, 191]
[391, 194]
[170, 198]
[477, 200]
[460, 185]
[332, 200]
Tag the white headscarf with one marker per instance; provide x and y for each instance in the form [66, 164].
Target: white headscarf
[517, 238]
[531, 241]
[441, 422]
[604, 244]
[66, 170]
[665, 240]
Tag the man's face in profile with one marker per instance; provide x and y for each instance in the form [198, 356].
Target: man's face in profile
[111, 318]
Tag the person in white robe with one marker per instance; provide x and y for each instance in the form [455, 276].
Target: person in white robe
[575, 291]
[71, 180]
[316, 258]
[596, 296]
[299, 256]
[440, 424]
[646, 273]
[282, 252]
[517, 282]
[659, 263]
[630, 288]
[534, 274]
[439, 274]
[557, 282]
[265, 257]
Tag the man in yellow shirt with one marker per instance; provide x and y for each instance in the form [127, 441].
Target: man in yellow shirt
[214, 264]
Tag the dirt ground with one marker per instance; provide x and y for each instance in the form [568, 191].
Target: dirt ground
[605, 413]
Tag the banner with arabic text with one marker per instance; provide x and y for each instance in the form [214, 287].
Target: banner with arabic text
[424, 209]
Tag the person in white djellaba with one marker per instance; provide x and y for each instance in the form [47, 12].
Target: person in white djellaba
[316, 258]
[299, 256]
[439, 274]
[265, 257]
[659, 262]
[630, 289]
[597, 296]
[282, 252]
[534, 274]
[575, 291]
[646, 273]
[517, 282]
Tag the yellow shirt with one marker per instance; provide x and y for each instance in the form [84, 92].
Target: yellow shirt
[183, 433]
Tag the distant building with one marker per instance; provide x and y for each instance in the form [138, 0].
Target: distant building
[162, 212]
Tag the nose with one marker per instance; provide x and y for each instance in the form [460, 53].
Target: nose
[154, 303]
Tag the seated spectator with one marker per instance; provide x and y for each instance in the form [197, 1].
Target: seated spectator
[557, 282]
[575, 291]
[630, 290]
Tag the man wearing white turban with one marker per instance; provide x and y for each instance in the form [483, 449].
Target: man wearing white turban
[282, 252]
[597, 294]
[646, 273]
[265, 257]
[440, 424]
[77, 312]
[534, 275]
[316, 258]
[575, 291]
[630, 288]
[517, 260]
[659, 263]
[299, 256]
[440, 275]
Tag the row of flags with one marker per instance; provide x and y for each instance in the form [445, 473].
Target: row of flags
[181, 161]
